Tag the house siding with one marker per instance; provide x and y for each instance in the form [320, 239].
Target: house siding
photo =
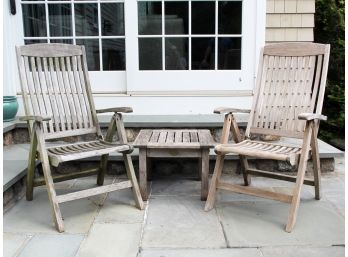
[289, 20]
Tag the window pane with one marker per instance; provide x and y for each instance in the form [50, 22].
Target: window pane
[113, 54]
[92, 52]
[150, 18]
[230, 17]
[60, 20]
[229, 57]
[176, 53]
[34, 20]
[62, 41]
[203, 53]
[112, 19]
[86, 19]
[150, 54]
[176, 19]
[30, 42]
[203, 17]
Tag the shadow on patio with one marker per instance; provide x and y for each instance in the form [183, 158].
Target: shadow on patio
[175, 224]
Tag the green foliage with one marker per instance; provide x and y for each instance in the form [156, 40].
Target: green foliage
[329, 29]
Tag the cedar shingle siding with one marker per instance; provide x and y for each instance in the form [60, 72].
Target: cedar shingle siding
[290, 20]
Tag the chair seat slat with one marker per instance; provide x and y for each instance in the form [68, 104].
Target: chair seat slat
[83, 150]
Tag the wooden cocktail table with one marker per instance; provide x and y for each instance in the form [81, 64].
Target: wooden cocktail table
[174, 143]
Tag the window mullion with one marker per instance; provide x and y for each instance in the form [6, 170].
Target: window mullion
[100, 41]
[163, 39]
[47, 23]
[73, 22]
[216, 34]
[189, 36]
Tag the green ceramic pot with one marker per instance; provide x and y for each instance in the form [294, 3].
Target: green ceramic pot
[10, 107]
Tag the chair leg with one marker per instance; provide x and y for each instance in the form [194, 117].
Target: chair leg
[104, 158]
[245, 167]
[57, 216]
[300, 178]
[31, 165]
[131, 175]
[295, 203]
[316, 167]
[102, 170]
[30, 176]
[128, 161]
[52, 196]
[213, 183]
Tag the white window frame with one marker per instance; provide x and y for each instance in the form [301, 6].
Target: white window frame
[197, 82]
[112, 82]
[168, 82]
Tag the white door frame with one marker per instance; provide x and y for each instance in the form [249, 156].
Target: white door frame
[205, 82]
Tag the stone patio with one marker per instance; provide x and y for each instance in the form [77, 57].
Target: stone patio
[175, 225]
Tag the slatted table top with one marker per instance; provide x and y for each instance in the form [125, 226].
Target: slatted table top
[174, 138]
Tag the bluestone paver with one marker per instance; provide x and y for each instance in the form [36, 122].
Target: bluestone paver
[52, 246]
[170, 187]
[112, 239]
[36, 216]
[231, 252]
[13, 243]
[296, 251]
[253, 224]
[16, 152]
[13, 171]
[119, 207]
[176, 224]
[177, 221]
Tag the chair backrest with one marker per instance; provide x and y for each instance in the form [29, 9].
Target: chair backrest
[54, 82]
[291, 80]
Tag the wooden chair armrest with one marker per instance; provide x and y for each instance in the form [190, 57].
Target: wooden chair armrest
[116, 109]
[311, 116]
[220, 110]
[36, 118]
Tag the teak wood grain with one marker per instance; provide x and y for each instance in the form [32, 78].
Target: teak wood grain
[58, 103]
[287, 102]
[174, 143]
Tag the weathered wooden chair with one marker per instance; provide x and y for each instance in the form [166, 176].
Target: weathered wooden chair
[58, 103]
[288, 100]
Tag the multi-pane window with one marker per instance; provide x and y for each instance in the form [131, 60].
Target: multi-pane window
[190, 35]
[97, 24]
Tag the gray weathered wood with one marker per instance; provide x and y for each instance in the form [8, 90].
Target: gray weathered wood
[204, 172]
[173, 143]
[219, 163]
[93, 191]
[255, 192]
[288, 99]
[58, 103]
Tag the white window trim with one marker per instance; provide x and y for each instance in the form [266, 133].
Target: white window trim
[174, 83]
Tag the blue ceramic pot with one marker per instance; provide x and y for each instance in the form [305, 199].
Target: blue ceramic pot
[10, 107]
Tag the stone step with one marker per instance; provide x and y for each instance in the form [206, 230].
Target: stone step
[16, 156]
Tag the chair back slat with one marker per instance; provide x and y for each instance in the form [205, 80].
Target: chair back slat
[45, 94]
[85, 93]
[52, 96]
[82, 104]
[75, 93]
[292, 82]
[55, 83]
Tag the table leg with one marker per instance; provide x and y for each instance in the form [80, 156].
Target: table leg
[143, 173]
[149, 168]
[204, 171]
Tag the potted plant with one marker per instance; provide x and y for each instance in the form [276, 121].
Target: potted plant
[10, 108]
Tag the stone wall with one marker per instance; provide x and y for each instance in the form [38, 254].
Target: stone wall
[290, 20]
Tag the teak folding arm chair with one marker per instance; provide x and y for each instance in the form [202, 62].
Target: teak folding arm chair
[58, 103]
[288, 100]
